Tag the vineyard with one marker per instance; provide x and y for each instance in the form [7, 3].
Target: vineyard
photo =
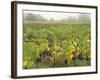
[49, 45]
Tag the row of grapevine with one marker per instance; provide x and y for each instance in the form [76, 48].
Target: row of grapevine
[56, 45]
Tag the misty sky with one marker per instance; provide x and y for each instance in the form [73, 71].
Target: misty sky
[54, 15]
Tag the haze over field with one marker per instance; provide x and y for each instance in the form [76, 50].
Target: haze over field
[56, 16]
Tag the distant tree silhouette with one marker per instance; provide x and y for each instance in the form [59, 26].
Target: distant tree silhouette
[33, 17]
[84, 18]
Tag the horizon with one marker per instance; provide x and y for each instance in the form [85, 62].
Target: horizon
[56, 15]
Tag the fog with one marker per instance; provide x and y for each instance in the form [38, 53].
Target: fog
[56, 16]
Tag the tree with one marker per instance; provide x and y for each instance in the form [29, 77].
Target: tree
[84, 18]
[32, 17]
